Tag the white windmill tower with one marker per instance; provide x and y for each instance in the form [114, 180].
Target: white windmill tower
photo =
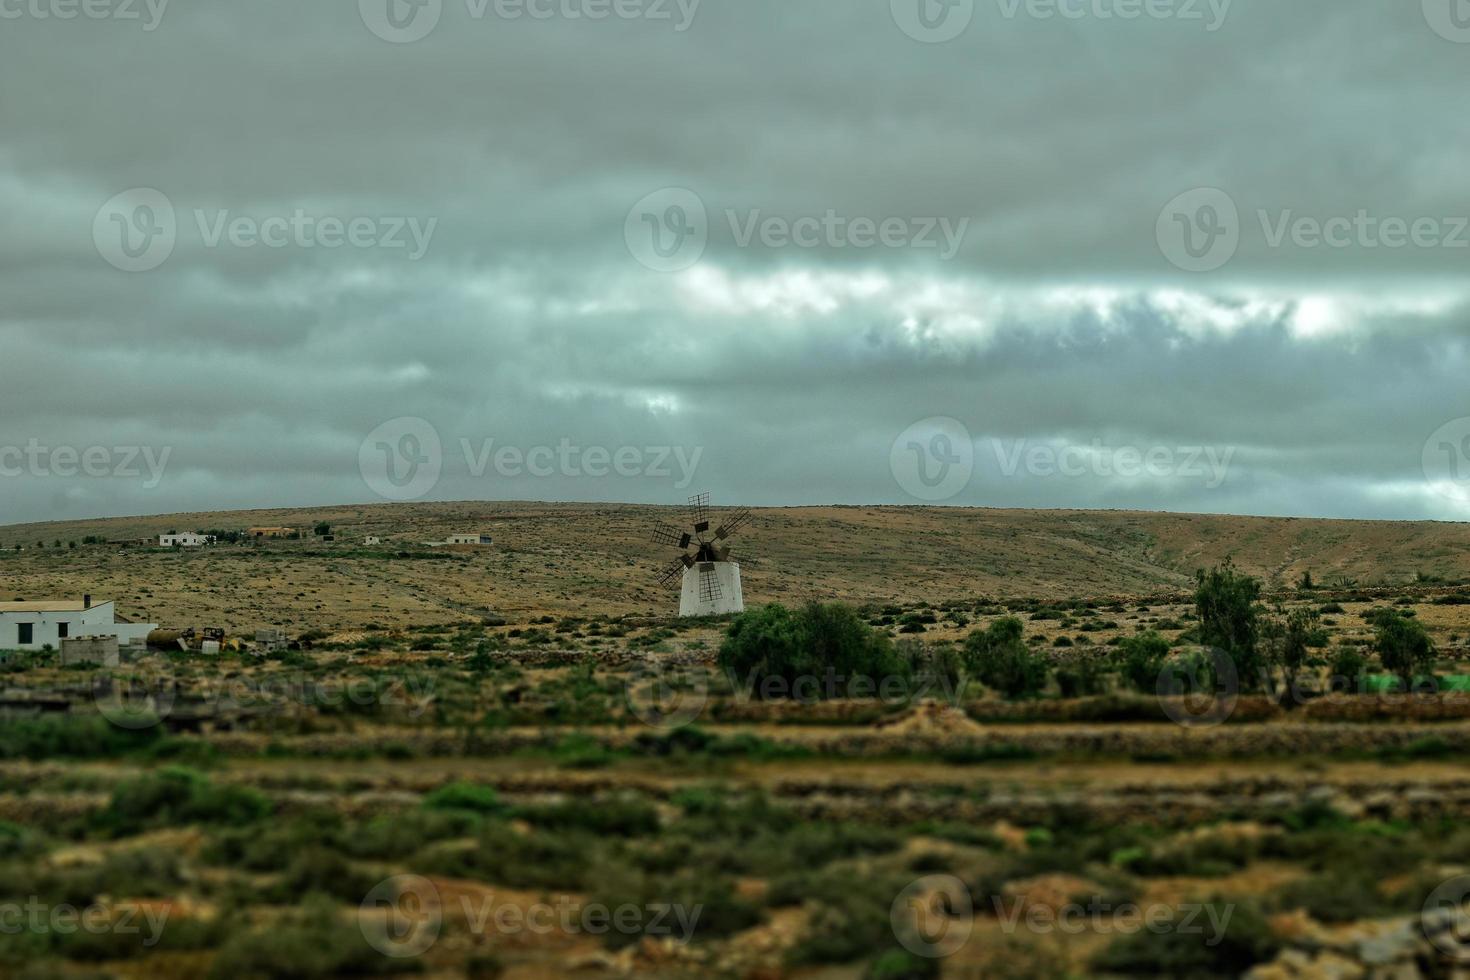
[711, 577]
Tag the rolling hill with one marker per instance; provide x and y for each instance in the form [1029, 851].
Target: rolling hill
[565, 559]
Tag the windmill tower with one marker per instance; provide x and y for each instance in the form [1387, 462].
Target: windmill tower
[711, 577]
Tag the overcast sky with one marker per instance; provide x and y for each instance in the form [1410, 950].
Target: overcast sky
[1161, 254]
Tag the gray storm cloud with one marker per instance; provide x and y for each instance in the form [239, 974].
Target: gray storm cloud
[1112, 247]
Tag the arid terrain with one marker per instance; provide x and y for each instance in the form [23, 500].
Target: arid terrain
[459, 740]
[589, 559]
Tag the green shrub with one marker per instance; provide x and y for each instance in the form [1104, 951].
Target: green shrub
[817, 651]
[1348, 667]
[175, 796]
[707, 902]
[323, 871]
[397, 836]
[622, 816]
[272, 846]
[1141, 659]
[1403, 646]
[71, 736]
[112, 945]
[1081, 678]
[1001, 661]
[849, 915]
[1173, 952]
[1208, 856]
[472, 797]
[936, 669]
[503, 856]
[17, 841]
[1340, 895]
[142, 872]
[311, 943]
[581, 751]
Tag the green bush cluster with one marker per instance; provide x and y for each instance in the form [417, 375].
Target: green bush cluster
[175, 795]
[817, 650]
[998, 658]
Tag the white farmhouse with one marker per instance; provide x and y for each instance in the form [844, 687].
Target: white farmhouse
[476, 539]
[185, 540]
[33, 625]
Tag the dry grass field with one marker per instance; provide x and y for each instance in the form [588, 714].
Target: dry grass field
[589, 559]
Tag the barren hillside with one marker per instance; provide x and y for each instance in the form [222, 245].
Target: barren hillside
[557, 558]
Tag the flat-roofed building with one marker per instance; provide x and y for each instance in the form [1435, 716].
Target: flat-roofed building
[33, 625]
[475, 539]
[186, 540]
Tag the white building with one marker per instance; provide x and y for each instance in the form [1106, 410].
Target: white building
[372, 540]
[711, 588]
[469, 539]
[33, 625]
[185, 540]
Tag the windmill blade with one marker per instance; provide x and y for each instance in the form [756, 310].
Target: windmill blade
[699, 510]
[663, 534]
[674, 569]
[709, 583]
[732, 524]
[728, 554]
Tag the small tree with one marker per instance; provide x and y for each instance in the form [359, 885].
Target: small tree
[1000, 659]
[1286, 638]
[1225, 601]
[1141, 659]
[1403, 646]
[323, 529]
[936, 669]
[1349, 665]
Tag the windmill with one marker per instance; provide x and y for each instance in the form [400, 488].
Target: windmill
[710, 575]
